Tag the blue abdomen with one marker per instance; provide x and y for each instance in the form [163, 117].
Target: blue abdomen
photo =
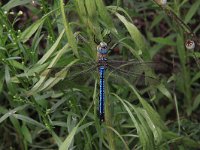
[102, 93]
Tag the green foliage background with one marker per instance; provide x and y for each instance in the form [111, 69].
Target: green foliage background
[40, 111]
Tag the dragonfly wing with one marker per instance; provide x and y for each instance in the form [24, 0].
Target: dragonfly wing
[78, 79]
[77, 73]
[77, 65]
[132, 66]
[139, 74]
[74, 72]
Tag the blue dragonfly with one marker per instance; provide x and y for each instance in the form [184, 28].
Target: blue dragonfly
[104, 64]
[133, 68]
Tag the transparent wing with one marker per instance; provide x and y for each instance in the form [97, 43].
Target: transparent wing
[75, 76]
[73, 72]
[76, 65]
[134, 71]
[132, 66]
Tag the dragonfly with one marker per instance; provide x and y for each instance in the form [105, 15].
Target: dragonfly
[132, 68]
[103, 64]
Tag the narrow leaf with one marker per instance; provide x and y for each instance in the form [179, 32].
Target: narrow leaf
[66, 144]
[11, 112]
[68, 30]
[14, 3]
[51, 50]
[193, 9]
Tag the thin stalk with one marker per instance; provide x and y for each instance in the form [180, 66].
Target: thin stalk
[185, 70]
[50, 29]
[178, 20]
[108, 118]
[9, 28]
[177, 114]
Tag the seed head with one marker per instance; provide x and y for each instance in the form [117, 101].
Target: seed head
[189, 44]
[163, 2]
[20, 13]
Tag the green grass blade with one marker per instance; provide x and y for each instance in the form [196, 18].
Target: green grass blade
[25, 36]
[193, 9]
[27, 135]
[68, 30]
[51, 50]
[157, 133]
[11, 112]
[152, 113]
[81, 10]
[14, 3]
[40, 83]
[165, 91]
[139, 127]
[91, 8]
[118, 134]
[105, 15]
[28, 120]
[67, 142]
[135, 34]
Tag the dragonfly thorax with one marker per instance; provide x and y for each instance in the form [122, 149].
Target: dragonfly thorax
[102, 48]
[102, 51]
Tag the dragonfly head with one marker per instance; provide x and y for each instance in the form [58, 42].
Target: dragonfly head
[102, 48]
